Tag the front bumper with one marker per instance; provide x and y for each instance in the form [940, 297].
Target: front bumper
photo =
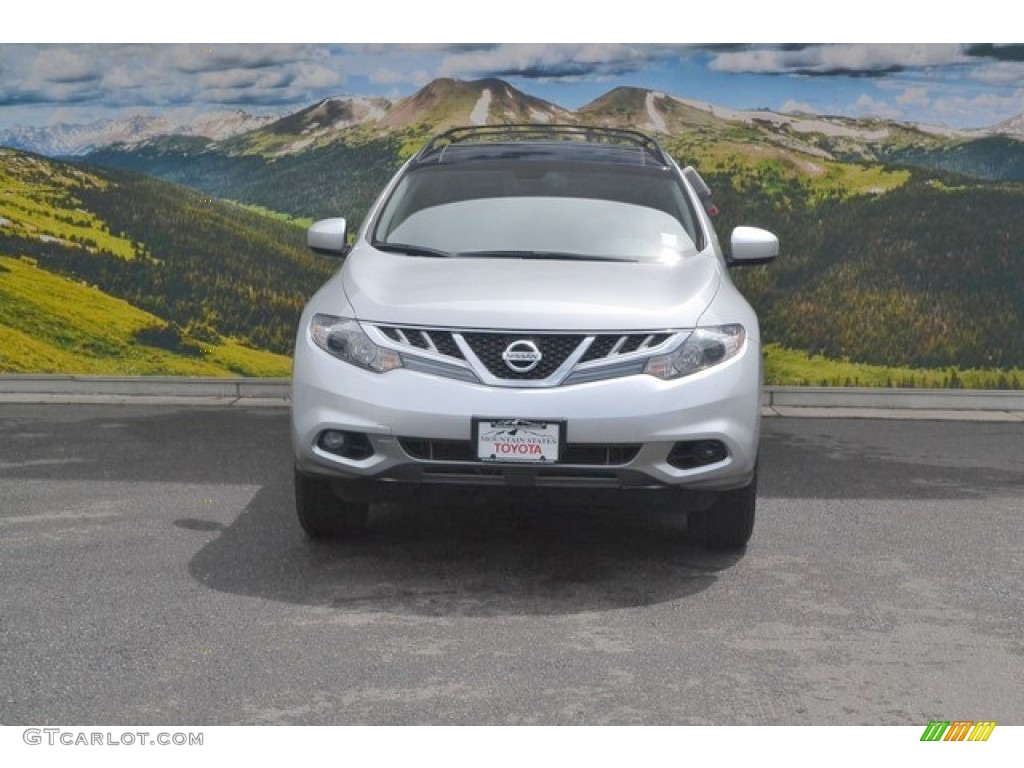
[721, 403]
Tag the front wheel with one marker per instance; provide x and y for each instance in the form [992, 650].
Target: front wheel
[322, 514]
[729, 522]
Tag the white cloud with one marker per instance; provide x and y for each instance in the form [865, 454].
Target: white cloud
[867, 106]
[386, 76]
[212, 57]
[934, 105]
[553, 60]
[914, 97]
[125, 77]
[985, 108]
[110, 77]
[791, 105]
[235, 78]
[312, 75]
[839, 58]
[65, 65]
[999, 73]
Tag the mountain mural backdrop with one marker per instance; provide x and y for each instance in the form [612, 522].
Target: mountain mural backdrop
[154, 248]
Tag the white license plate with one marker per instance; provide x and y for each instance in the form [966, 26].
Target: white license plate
[519, 440]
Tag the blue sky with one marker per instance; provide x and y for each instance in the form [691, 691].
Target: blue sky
[957, 85]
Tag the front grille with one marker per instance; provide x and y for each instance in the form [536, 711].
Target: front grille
[505, 476]
[554, 349]
[607, 345]
[581, 454]
[599, 348]
[438, 450]
[478, 356]
[429, 339]
[600, 454]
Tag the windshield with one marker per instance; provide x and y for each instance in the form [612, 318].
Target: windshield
[539, 210]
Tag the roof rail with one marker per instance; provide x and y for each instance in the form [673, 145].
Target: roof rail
[533, 132]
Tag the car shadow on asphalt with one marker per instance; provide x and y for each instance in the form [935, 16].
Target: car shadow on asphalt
[459, 561]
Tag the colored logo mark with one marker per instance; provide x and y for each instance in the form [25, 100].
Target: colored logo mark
[958, 730]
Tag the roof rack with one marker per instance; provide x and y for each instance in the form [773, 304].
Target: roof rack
[532, 132]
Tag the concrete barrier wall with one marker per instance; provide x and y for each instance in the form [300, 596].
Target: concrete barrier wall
[237, 388]
[144, 386]
[901, 399]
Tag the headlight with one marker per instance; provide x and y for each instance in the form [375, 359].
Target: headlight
[344, 339]
[704, 348]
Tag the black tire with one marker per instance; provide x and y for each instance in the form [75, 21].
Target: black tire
[322, 514]
[729, 522]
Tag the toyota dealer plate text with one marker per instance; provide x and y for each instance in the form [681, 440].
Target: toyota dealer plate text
[519, 440]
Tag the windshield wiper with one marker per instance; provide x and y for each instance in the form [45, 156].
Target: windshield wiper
[553, 255]
[411, 250]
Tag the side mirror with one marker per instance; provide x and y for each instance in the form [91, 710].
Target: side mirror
[328, 237]
[751, 245]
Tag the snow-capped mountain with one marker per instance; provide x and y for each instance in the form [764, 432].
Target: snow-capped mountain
[441, 104]
[663, 113]
[446, 102]
[336, 113]
[1012, 127]
[75, 139]
[315, 124]
[223, 124]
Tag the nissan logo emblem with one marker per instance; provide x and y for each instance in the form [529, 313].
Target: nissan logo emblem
[521, 356]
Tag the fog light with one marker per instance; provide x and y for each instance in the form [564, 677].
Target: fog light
[710, 451]
[697, 453]
[350, 445]
[332, 441]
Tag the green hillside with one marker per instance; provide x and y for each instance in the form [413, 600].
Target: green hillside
[52, 324]
[790, 367]
[337, 179]
[214, 287]
[993, 158]
[924, 275]
[35, 203]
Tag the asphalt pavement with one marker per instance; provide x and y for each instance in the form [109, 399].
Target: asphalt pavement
[153, 572]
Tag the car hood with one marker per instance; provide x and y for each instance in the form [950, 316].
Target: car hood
[530, 294]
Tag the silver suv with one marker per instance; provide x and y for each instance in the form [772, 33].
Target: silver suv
[531, 311]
